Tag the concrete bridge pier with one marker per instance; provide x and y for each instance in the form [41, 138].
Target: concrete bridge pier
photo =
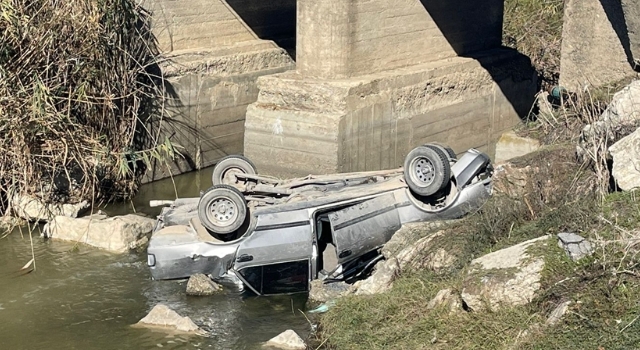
[600, 43]
[215, 51]
[375, 78]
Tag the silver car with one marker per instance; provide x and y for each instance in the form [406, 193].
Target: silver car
[278, 235]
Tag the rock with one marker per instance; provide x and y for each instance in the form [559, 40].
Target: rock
[33, 209]
[511, 180]
[626, 161]
[407, 235]
[545, 108]
[117, 234]
[557, 313]
[201, 285]
[288, 339]
[381, 280]
[576, 246]
[621, 118]
[161, 316]
[512, 146]
[8, 222]
[322, 293]
[421, 255]
[504, 278]
[445, 298]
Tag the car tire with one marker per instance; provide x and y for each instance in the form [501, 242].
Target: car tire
[427, 170]
[227, 166]
[448, 150]
[222, 209]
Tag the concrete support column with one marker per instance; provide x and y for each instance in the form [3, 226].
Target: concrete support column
[322, 39]
[596, 47]
[631, 10]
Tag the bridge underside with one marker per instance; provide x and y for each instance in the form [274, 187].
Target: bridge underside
[375, 78]
[215, 55]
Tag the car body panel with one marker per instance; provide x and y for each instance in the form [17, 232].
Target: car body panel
[357, 212]
[363, 227]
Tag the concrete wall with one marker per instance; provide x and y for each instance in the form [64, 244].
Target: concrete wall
[187, 24]
[303, 126]
[631, 9]
[595, 44]
[213, 61]
[348, 38]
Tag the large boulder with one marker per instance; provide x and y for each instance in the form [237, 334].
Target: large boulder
[117, 234]
[621, 118]
[34, 209]
[507, 277]
[424, 254]
[626, 161]
[201, 285]
[289, 340]
[162, 317]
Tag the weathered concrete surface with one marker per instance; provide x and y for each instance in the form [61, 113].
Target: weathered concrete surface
[595, 44]
[511, 146]
[631, 10]
[340, 39]
[301, 125]
[213, 61]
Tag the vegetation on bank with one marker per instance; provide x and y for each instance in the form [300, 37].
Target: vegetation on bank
[534, 27]
[80, 99]
[563, 194]
[604, 288]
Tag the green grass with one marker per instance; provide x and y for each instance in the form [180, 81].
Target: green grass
[603, 288]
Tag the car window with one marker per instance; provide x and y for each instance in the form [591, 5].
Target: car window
[290, 277]
[284, 278]
[253, 277]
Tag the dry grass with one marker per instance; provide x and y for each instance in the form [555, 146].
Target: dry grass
[534, 27]
[80, 99]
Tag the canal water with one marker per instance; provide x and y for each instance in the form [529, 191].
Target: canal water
[83, 298]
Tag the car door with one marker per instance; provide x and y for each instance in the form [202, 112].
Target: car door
[276, 258]
[363, 227]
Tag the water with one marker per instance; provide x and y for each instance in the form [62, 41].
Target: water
[83, 298]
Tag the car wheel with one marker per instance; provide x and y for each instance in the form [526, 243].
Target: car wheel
[427, 170]
[222, 209]
[448, 150]
[224, 172]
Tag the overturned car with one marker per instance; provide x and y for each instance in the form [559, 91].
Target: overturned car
[277, 235]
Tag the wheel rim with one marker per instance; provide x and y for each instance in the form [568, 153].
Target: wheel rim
[222, 212]
[422, 171]
[229, 175]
